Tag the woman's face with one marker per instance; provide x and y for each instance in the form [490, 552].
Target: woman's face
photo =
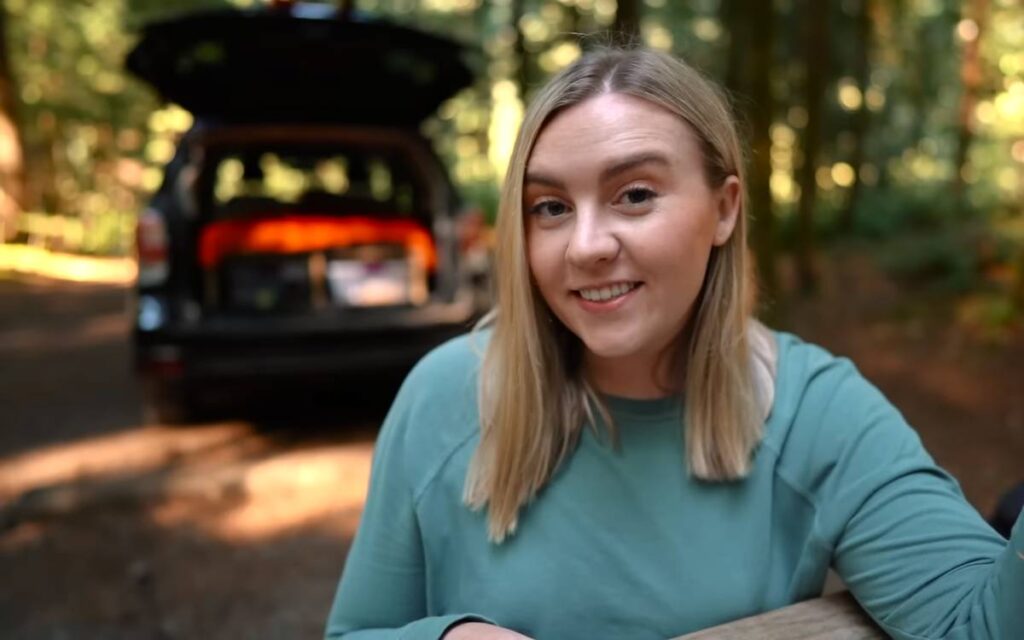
[620, 222]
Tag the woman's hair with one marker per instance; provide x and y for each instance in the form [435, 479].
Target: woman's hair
[534, 400]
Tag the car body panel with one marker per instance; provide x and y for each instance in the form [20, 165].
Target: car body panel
[264, 65]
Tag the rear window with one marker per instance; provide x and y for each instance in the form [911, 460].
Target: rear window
[308, 180]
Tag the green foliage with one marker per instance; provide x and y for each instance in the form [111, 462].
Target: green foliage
[944, 260]
[882, 213]
[958, 257]
[484, 195]
[105, 233]
[96, 139]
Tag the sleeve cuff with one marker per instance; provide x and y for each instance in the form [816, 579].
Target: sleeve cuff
[434, 627]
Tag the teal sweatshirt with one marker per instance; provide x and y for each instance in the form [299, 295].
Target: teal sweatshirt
[623, 543]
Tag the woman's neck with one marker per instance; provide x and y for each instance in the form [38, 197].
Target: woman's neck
[637, 376]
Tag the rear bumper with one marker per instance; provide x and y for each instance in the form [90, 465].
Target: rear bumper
[246, 348]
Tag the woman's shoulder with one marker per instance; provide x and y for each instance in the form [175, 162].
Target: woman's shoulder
[436, 406]
[458, 358]
[826, 413]
[808, 377]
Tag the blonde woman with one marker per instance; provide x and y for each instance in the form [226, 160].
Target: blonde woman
[623, 451]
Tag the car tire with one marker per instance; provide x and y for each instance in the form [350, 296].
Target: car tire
[168, 402]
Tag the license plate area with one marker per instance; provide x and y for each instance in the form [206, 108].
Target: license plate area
[356, 277]
[374, 276]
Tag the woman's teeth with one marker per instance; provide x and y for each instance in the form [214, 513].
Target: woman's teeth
[604, 294]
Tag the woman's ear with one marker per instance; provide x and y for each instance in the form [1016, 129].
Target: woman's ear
[729, 204]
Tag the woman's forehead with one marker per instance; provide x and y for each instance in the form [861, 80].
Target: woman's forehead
[606, 128]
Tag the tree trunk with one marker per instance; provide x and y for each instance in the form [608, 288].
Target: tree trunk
[627, 22]
[736, 17]
[861, 119]
[522, 74]
[971, 76]
[12, 163]
[748, 75]
[816, 60]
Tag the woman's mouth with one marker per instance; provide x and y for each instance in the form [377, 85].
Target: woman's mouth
[607, 293]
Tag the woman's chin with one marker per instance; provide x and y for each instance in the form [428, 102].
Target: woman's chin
[610, 349]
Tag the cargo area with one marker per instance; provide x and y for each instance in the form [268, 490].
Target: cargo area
[286, 227]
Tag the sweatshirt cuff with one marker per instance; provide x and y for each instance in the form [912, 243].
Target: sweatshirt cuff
[434, 627]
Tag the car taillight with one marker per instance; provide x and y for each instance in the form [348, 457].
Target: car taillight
[303, 234]
[151, 245]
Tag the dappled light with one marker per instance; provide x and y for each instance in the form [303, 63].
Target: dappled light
[29, 259]
[172, 463]
[266, 492]
[122, 454]
[284, 493]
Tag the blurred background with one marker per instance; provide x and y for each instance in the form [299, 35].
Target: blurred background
[886, 172]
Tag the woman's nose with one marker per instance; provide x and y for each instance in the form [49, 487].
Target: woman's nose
[592, 240]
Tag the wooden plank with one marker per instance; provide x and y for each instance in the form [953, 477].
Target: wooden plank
[834, 617]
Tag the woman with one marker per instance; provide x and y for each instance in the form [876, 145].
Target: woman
[536, 479]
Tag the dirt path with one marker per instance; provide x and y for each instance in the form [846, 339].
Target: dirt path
[110, 528]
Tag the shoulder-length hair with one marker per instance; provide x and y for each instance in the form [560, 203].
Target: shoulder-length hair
[534, 400]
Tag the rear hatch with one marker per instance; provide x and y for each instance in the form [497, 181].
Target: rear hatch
[311, 193]
[299, 64]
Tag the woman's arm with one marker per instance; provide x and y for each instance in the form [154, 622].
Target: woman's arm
[915, 554]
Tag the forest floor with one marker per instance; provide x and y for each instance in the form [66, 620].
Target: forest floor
[238, 528]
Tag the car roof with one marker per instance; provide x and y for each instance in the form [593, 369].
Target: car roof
[300, 63]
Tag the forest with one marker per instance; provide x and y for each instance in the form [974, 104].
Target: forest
[885, 171]
[896, 124]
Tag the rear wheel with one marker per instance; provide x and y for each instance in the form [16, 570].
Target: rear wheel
[168, 402]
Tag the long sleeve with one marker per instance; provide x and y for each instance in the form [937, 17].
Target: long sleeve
[382, 594]
[914, 553]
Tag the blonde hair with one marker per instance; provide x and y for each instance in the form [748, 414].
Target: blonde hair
[534, 401]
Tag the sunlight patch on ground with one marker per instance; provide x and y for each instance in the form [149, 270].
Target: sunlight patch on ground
[285, 492]
[224, 481]
[129, 452]
[65, 266]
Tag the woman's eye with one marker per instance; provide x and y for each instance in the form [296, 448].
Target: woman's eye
[638, 195]
[550, 208]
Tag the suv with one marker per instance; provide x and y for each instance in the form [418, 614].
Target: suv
[304, 225]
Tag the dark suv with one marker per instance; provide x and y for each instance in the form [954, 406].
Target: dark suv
[304, 224]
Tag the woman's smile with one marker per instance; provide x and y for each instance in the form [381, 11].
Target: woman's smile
[607, 297]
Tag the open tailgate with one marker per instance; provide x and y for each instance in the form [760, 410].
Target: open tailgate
[300, 63]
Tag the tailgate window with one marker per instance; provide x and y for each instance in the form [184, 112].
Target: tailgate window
[315, 181]
[289, 230]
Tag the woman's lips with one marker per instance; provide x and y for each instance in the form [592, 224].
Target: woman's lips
[605, 306]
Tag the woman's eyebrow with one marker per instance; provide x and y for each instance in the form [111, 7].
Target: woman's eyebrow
[620, 166]
[633, 161]
[542, 179]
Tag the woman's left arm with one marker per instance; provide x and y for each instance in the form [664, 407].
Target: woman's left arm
[914, 553]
